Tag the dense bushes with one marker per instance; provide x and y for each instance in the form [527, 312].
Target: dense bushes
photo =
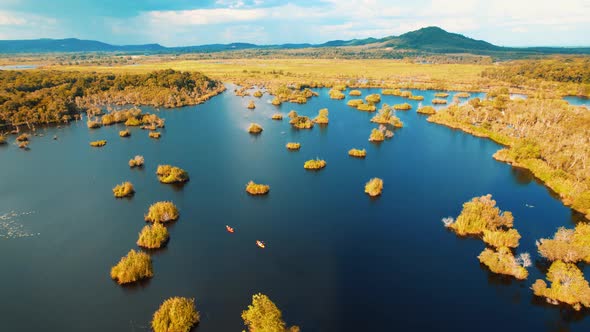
[376, 135]
[428, 110]
[124, 189]
[357, 153]
[264, 316]
[255, 128]
[277, 116]
[162, 212]
[355, 93]
[502, 261]
[251, 105]
[336, 94]
[374, 187]
[176, 314]
[567, 286]
[293, 146]
[98, 144]
[124, 133]
[373, 99]
[171, 174]
[568, 245]
[481, 214]
[402, 107]
[153, 236]
[135, 266]
[155, 134]
[322, 117]
[501, 238]
[315, 164]
[257, 189]
[301, 122]
[137, 161]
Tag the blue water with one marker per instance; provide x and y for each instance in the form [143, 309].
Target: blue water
[578, 101]
[18, 67]
[335, 260]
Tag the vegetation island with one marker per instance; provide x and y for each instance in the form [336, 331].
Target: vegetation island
[153, 236]
[176, 314]
[314, 164]
[171, 174]
[162, 212]
[567, 285]
[322, 117]
[277, 116]
[98, 144]
[125, 133]
[357, 153]
[137, 161]
[355, 93]
[124, 189]
[301, 122]
[374, 187]
[251, 105]
[402, 107]
[257, 189]
[428, 110]
[255, 128]
[135, 266]
[438, 101]
[264, 315]
[155, 134]
[385, 116]
[336, 94]
[293, 146]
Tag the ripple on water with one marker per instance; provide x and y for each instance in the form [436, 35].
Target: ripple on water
[11, 228]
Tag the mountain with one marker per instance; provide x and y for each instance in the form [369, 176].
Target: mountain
[423, 41]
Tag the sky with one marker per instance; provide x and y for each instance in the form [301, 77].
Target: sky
[197, 22]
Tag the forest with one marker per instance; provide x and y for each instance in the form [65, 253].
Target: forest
[42, 97]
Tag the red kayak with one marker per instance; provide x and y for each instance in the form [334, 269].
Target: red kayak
[260, 244]
[229, 229]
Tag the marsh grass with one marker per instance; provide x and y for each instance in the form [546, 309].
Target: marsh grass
[155, 134]
[438, 101]
[355, 93]
[402, 107]
[301, 122]
[322, 117]
[373, 99]
[251, 105]
[125, 133]
[428, 110]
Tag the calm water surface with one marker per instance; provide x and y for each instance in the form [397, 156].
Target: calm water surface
[336, 260]
[578, 101]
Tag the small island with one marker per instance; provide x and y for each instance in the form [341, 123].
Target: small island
[314, 164]
[462, 95]
[137, 161]
[417, 98]
[478, 215]
[293, 146]
[377, 135]
[125, 133]
[153, 236]
[277, 116]
[124, 189]
[402, 107]
[135, 266]
[567, 245]
[385, 116]
[155, 134]
[176, 314]
[23, 138]
[171, 174]
[357, 153]
[373, 99]
[374, 187]
[257, 189]
[568, 286]
[162, 212]
[251, 105]
[264, 316]
[255, 128]
[336, 94]
[441, 95]
[92, 124]
[2, 139]
[98, 144]
[257, 94]
[438, 101]
[502, 261]
[428, 110]
[354, 93]
[301, 122]
[322, 117]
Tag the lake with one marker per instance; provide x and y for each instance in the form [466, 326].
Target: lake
[336, 260]
[578, 101]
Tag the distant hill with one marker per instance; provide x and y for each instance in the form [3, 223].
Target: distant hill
[422, 41]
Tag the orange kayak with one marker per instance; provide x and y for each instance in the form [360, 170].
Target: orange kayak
[229, 229]
[260, 244]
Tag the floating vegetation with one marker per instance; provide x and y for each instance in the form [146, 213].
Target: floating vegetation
[162, 212]
[336, 94]
[301, 122]
[501, 238]
[385, 116]
[257, 94]
[502, 261]
[10, 228]
[402, 107]
[357, 153]
[176, 314]
[391, 92]
[355, 93]
[293, 146]
[374, 187]
[355, 102]
[428, 110]
[171, 174]
[322, 117]
[155, 134]
[152, 121]
[264, 316]
[255, 128]
[441, 95]
[251, 105]
[438, 101]
[462, 95]
[257, 189]
[418, 98]
[276, 101]
[292, 114]
[567, 286]
[568, 245]
[153, 236]
[135, 266]
[23, 137]
[137, 161]
[366, 107]
[98, 144]
[377, 135]
[124, 189]
[373, 99]
[315, 164]
[133, 122]
[277, 116]
[24, 145]
[92, 124]
[125, 133]
[481, 214]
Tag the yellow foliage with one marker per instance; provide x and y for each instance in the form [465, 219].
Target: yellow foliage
[293, 146]
[93, 124]
[480, 214]
[257, 93]
[257, 189]
[176, 314]
[374, 187]
[373, 99]
[441, 95]
[501, 238]
[124, 189]
[155, 134]
[171, 174]
[301, 122]
[568, 245]
[255, 128]
[336, 94]
[125, 133]
[135, 266]
[391, 92]
[162, 212]
[567, 286]
[153, 236]
[264, 316]
[137, 161]
[277, 116]
[439, 101]
[98, 143]
[251, 105]
[132, 122]
[357, 153]
[376, 135]
[315, 164]
[322, 117]
[354, 102]
[355, 93]
[503, 262]
[402, 107]
[428, 110]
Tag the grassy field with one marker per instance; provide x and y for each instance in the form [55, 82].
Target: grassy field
[304, 69]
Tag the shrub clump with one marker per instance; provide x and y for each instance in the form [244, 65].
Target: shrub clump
[277, 116]
[22, 138]
[428, 110]
[133, 122]
[377, 135]
[418, 98]
[162, 212]
[373, 99]
[137, 161]
[391, 92]
[402, 107]
[481, 214]
[374, 187]
[176, 314]
[124, 189]
[264, 316]
[366, 107]
[98, 144]
[153, 236]
[292, 114]
[255, 128]
[385, 116]
[293, 146]
[501, 238]
[155, 134]
[135, 266]
[503, 262]
[567, 286]
[336, 94]
[251, 105]
[439, 101]
[462, 95]
[355, 102]
[257, 94]
[441, 95]
[355, 93]
[257, 189]
[92, 124]
[568, 245]
[276, 101]
[315, 164]
[125, 133]
[357, 153]
[171, 174]
[301, 122]
[322, 117]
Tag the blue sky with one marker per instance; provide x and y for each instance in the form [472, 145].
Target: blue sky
[184, 22]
